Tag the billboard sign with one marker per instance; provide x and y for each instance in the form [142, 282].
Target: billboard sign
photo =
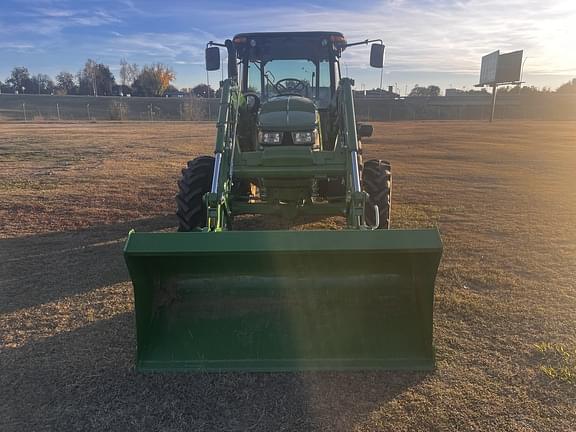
[499, 68]
[509, 67]
[488, 68]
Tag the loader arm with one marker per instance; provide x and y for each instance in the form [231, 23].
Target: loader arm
[217, 200]
[348, 139]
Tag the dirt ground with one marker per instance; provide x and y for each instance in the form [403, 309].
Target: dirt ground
[503, 196]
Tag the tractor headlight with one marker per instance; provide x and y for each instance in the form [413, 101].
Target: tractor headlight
[270, 137]
[304, 137]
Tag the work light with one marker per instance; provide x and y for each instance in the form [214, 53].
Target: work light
[304, 137]
[270, 137]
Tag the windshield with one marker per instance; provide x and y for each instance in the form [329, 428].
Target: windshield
[290, 77]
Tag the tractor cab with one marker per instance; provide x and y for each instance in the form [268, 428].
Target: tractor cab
[290, 84]
[290, 64]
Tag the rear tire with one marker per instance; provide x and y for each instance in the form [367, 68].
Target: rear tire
[377, 181]
[195, 182]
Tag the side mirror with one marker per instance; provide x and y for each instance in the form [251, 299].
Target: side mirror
[212, 58]
[377, 56]
[364, 130]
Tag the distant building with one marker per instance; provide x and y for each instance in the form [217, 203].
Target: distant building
[176, 94]
[377, 93]
[455, 92]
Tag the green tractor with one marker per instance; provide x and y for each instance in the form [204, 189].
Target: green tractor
[211, 298]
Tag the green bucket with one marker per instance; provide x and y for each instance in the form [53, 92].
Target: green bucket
[284, 300]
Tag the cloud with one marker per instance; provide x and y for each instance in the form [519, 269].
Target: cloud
[178, 48]
[422, 36]
[55, 12]
[47, 21]
[445, 36]
[17, 46]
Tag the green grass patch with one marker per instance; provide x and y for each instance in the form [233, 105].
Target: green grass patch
[14, 185]
[558, 361]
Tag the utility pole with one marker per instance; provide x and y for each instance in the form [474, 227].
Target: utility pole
[494, 88]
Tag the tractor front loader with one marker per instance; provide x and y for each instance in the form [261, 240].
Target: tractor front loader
[210, 298]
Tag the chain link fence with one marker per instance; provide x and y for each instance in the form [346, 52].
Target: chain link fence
[77, 108]
[529, 107]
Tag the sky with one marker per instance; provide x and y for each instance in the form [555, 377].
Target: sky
[427, 42]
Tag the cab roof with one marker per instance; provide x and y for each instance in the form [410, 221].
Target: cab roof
[309, 35]
[266, 46]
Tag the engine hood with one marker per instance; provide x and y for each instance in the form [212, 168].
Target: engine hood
[288, 113]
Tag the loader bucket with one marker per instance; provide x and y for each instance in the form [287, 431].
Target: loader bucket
[284, 300]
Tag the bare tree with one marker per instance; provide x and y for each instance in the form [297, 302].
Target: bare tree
[90, 70]
[123, 71]
[128, 72]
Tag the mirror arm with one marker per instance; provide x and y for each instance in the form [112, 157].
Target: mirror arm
[364, 42]
[211, 43]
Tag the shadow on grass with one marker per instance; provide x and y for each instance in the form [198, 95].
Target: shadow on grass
[84, 380]
[43, 268]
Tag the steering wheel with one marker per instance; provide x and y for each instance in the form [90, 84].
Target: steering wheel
[282, 86]
[252, 101]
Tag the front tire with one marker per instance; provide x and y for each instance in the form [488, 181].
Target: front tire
[193, 185]
[377, 181]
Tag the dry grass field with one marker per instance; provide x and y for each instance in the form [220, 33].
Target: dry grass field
[502, 194]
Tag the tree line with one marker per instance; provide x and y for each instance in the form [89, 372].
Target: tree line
[96, 79]
[432, 90]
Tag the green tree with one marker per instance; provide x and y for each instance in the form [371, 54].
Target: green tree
[95, 79]
[203, 90]
[66, 84]
[153, 80]
[171, 89]
[569, 87]
[20, 80]
[41, 84]
[431, 90]
[523, 90]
